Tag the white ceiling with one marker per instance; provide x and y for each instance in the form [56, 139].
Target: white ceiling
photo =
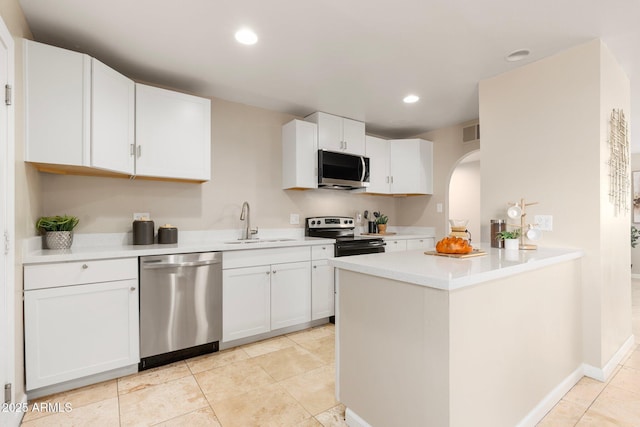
[355, 58]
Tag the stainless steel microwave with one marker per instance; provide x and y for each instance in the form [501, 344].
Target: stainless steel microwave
[342, 171]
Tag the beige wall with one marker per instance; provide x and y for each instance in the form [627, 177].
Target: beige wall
[448, 149]
[544, 139]
[464, 196]
[26, 182]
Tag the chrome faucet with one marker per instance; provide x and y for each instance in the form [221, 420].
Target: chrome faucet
[247, 231]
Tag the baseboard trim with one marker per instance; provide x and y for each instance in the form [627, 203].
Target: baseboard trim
[353, 420]
[603, 374]
[550, 400]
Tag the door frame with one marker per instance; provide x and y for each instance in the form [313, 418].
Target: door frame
[7, 231]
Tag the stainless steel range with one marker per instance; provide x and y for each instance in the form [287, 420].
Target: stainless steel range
[342, 228]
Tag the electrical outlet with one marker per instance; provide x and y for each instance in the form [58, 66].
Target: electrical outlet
[544, 222]
[140, 215]
[439, 207]
[294, 219]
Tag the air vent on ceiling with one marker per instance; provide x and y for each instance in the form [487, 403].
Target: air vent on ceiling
[471, 133]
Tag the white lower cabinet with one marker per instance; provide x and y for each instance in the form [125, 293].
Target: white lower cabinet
[424, 243]
[322, 290]
[395, 245]
[290, 294]
[246, 302]
[265, 290]
[77, 331]
[398, 245]
[80, 319]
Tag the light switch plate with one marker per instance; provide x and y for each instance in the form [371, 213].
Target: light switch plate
[294, 219]
[140, 215]
[439, 207]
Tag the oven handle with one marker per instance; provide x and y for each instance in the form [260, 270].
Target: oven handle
[369, 245]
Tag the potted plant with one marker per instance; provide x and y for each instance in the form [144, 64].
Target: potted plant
[381, 221]
[57, 231]
[511, 239]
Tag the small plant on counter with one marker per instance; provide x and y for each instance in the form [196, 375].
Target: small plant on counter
[56, 223]
[381, 218]
[57, 231]
[504, 235]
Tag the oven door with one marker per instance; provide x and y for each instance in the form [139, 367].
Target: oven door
[359, 247]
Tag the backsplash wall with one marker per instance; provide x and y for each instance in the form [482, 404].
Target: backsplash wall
[246, 165]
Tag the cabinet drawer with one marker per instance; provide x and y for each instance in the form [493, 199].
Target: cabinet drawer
[322, 252]
[254, 257]
[42, 276]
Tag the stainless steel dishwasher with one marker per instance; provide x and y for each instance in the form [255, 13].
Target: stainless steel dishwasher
[180, 307]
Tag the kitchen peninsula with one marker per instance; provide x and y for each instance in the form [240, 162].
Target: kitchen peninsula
[426, 340]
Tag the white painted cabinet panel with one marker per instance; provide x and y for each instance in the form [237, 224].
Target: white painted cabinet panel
[112, 120]
[76, 331]
[377, 150]
[411, 166]
[173, 134]
[299, 155]
[395, 245]
[339, 134]
[246, 302]
[290, 294]
[57, 101]
[427, 243]
[39, 276]
[322, 290]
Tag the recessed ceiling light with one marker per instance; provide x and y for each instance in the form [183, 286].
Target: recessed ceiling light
[246, 36]
[410, 99]
[518, 55]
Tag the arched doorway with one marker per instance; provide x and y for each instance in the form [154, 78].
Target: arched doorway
[464, 193]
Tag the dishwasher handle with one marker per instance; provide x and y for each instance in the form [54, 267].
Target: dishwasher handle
[159, 264]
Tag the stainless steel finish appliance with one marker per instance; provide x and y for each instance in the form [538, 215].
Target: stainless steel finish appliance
[180, 306]
[342, 229]
[342, 171]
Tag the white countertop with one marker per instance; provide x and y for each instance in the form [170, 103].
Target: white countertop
[453, 273]
[111, 250]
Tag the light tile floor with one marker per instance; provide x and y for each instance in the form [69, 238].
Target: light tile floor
[289, 381]
[283, 381]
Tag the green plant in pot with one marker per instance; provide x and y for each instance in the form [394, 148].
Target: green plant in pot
[57, 231]
[510, 237]
[381, 221]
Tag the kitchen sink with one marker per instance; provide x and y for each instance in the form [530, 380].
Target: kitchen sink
[249, 241]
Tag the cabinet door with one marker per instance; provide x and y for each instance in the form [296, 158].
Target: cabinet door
[425, 243]
[75, 331]
[411, 166]
[394, 245]
[246, 307]
[290, 294]
[58, 95]
[322, 290]
[112, 119]
[353, 136]
[173, 134]
[378, 153]
[330, 132]
[299, 155]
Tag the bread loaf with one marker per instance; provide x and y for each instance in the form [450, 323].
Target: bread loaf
[453, 245]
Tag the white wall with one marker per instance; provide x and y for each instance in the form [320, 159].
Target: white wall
[544, 127]
[464, 196]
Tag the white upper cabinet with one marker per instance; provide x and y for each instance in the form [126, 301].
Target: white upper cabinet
[112, 119]
[82, 117]
[173, 134]
[338, 133]
[58, 96]
[299, 155]
[401, 166]
[411, 166]
[379, 175]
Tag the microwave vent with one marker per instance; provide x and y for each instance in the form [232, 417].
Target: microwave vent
[471, 133]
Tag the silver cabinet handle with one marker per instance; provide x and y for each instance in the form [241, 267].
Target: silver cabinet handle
[132, 150]
[139, 150]
[133, 288]
[268, 273]
[387, 179]
[274, 272]
[85, 266]
[315, 266]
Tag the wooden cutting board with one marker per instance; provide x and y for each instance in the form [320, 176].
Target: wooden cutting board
[474, 253]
